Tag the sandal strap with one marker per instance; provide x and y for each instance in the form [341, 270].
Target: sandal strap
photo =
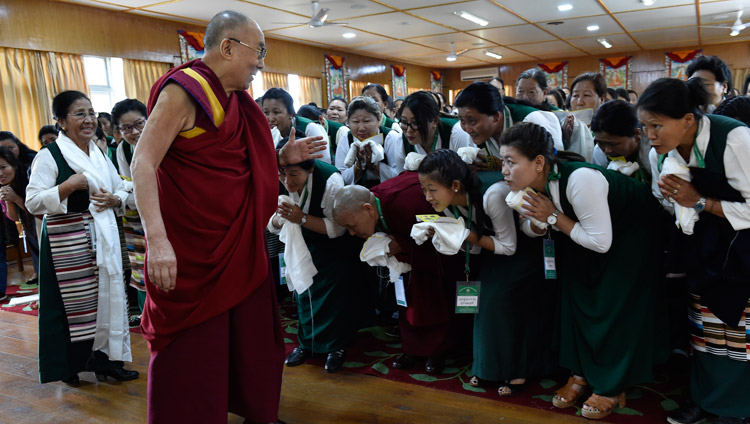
[568, 392]
[601, 403]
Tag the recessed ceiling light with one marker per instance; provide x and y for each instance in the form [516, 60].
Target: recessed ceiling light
[593, 27]
[647, 2]
[469, 17]
[348, 35]
[492, 54]
[451, 58]
[604, 42]
[565, 7]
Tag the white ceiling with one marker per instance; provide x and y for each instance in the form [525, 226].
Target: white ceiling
[420, 31]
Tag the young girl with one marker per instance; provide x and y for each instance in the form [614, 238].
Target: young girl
[603, 225]
[514, 328]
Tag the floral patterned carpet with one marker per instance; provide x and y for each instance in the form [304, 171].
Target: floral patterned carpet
[372, 353]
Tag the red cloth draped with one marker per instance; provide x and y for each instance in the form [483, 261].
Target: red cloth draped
[683, 56]
[552, 67]
[616, 62]
[398, 70]
[217, 191]
[436, 75]
[336, 61]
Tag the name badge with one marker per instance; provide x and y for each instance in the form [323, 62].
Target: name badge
[427, 218]
[400, 292]
[550, 272]
[282, 269]
[467, 297]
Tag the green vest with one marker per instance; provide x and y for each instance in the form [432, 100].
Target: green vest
[320, 175]
[78, 201]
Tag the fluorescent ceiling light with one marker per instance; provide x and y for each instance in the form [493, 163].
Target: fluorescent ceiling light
[492, 54]
[565, 7]
[451, 58]
[469, 17]
[593, 27]
[647, 2]
[348, 35]
[604, 42]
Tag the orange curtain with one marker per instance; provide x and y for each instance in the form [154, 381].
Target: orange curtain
[274, 79]
[355, 88]
[140, 75]
[310, 89]
[30, 79]
[410, 90]
[738, 78]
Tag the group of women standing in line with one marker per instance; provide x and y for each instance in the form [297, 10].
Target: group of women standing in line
[602, 316]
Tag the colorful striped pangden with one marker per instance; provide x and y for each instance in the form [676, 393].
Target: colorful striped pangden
[711, 335]
[136, 248]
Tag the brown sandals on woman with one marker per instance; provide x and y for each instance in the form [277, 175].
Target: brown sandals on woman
[567, 396]
[601, 406]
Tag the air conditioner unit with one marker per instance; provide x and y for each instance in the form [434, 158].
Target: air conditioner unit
[479, 74]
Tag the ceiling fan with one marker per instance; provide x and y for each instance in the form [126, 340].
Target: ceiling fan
[318, 19]
[454, 55]
[736, 27]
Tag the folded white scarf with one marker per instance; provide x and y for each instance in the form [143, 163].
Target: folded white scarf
[449, 237]
[96, 168]
[515, 200]
[413, 160]
[468, 154]
[685, 218]
[621, 165]
[376, 145]
[300, 269]
[375, 253]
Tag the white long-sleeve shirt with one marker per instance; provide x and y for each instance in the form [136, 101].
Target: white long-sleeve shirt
[501, 216]
[736, 167]
[394, 152]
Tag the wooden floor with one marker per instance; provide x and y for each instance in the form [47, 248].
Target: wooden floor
[309, 395]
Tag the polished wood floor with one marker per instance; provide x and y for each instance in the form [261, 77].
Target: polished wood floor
[309, 395]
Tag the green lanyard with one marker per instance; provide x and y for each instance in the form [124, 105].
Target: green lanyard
[380, 215]
[699, 156]
[467, 247]
[435, 140]
[552, 176]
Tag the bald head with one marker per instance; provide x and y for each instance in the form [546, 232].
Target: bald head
[223, 25]
[351, 198]
[354, 209]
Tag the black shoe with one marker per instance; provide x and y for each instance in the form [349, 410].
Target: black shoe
[103, 368]
[3, 297]
[405, 361]
[297, 357]
[134, 321]
[73, 380]
[335, 360]
[434, 365]
[689, 414]
[393, 332]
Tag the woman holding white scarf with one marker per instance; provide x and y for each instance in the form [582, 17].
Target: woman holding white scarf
[82, 317]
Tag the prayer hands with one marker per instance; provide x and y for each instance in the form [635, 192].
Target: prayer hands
[394, 247]
[7, 194]
[676, 189]
[480, 164]
[296, 151]
[291, 212]
[104, 200]
[567, 127]
[162, 263]
[538, 206]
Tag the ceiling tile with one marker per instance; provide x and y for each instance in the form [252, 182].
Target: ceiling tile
[397, 25]
[328, 35]
[483, 9]
[554, 48]
[339, 9]
[616, 6]
[666, 37]
[546, 10]
[461, 40]
[124, 3]
[169, 17]
[395, 49]
[647, 19]
[619, 42]
[514, 35]
[505, 53]
[412, 4]
[574, 28]
[438, 60]
[198, 10]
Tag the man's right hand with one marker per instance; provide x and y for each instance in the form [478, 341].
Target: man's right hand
[296, 151]
[162, 264]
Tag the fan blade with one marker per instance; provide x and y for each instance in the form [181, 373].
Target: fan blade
[321, 16]
[290, 23]
[739, 15]
[335, 23]
[461, 52]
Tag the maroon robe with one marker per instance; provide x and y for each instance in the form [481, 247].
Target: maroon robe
[426, 324]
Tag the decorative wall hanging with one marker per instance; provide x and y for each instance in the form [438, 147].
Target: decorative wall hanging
[557, 74]
[436, 81]
[616, 71]
[335, 83]
[398, 73]
[676, 63]
[191, 45]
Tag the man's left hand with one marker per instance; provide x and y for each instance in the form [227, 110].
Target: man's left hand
[296, 151]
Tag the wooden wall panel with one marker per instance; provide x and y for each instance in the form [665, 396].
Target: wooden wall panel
[647, 65]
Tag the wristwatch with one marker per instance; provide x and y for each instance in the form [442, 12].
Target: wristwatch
[700, 205]
[552, 219]
[304, 220]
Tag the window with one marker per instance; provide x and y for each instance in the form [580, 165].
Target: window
[257, 85]
[106, 81]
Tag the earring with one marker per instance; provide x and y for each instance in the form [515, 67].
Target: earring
[537, 170]
[456, 190]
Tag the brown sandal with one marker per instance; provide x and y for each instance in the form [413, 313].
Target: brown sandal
[568, 393]
[602, 406]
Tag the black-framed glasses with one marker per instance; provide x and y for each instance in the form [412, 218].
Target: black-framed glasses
[406, 125]
[261, 52]
[137, 125]
[83, 115]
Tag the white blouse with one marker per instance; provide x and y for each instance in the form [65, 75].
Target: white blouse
[501, 216]
[587, 193]
[333, 185]
[393, 149]
[736, 168]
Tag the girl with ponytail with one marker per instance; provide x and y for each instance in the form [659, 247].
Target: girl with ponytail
[602, 224]
[716, 151]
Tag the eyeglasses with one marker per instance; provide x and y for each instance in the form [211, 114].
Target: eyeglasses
[406, 125]
[261, 52]
[137, 125]
[83, 115]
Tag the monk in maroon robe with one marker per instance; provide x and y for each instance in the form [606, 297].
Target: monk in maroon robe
[206, 183]
[427, 325]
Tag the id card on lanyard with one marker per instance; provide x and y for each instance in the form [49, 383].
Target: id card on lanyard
[467, 292]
